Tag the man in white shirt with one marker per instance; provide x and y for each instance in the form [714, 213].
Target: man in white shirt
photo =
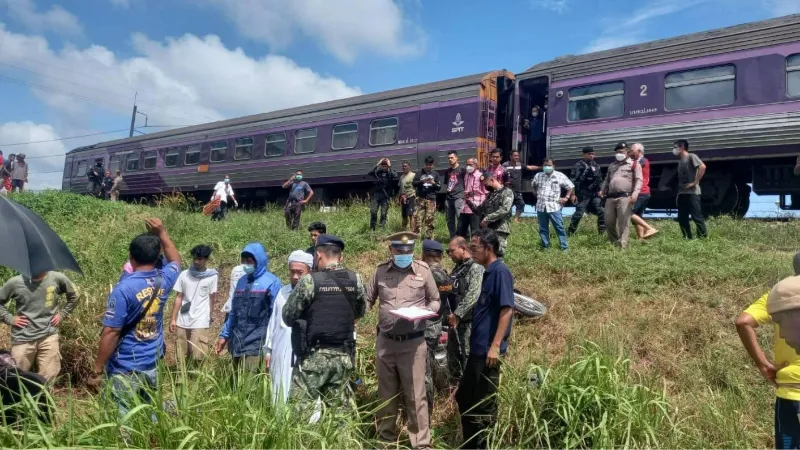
[549, 185]
[191, 313]
[278, 344]
[223, 191]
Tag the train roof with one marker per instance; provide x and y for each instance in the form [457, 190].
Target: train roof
[395, 94]
[722, 40]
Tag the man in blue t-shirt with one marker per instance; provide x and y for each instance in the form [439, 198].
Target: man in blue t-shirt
[491, 326]
[133, 340]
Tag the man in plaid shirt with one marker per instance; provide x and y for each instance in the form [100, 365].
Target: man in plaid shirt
[475, 192]
[549, 185]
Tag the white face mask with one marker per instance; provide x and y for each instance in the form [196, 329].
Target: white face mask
[676, 151]
[470, 169]
[620, 156]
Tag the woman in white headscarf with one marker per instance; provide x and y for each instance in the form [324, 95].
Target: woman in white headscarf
[278, 345]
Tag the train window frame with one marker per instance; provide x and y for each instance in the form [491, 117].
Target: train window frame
[150, 154]
[217, 149]
[700, 81]
[617, 93]
[129, 159]
[78, 168]
[334, 133]
[267, 142]
[192, 150]
[111, 160]
[396, 127]
[790, 70]
[174, 151]
[237, 146]
[296, 138]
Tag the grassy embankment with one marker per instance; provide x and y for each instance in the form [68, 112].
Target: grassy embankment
[638, 348]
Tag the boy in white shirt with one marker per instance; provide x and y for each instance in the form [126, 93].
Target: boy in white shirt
[191, 314]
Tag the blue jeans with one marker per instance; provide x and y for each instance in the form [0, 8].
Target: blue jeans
[125, 388]
[787, 423]
[544, 228]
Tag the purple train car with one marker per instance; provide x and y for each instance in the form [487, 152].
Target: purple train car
[335, 143]
[733, 93]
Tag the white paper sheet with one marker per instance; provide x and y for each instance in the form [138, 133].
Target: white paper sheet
[413, 313]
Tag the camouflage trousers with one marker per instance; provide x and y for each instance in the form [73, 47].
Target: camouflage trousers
[433, 331]
[502, 238]
[325, 374]
[424, 217]
[458, 350]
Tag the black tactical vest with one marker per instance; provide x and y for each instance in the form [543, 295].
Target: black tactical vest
[445, 287]
[459, 281]
[331, 316]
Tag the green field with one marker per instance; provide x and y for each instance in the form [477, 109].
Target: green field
[638, 348]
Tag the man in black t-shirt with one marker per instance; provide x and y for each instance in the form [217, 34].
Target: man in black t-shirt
[455, 192]
[515, 173]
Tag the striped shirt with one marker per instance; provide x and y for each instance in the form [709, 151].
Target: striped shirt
[548, 190]
[472, 184]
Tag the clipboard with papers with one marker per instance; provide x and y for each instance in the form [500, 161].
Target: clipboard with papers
[413, 313]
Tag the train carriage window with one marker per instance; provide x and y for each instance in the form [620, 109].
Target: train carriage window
[219, 151]
[81, 168]
[275, 144]
[114, 164]
[305, 141]
[597, 101]
[710, 86]
[243, 149]
[345, 136]
[132, 162]
[793, 76]
[383, 131]
[172, 157]
[192, 155]
[150, 159]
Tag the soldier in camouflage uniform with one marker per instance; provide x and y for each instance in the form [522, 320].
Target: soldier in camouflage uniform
[432, 255]
[426, 182]
[321, 306]
[496, 209]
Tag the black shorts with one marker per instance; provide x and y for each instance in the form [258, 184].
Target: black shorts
[641, 205]
[408, 207]
[519, 203]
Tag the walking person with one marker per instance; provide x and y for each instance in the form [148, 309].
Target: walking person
[19, 173]
[427, 184]
[300, 193]
[491, 327]
[621, 190]
[690, 171]
[191, 313]
[401, 349]
[474, 194]
[116, 185]
[37, 316]
[515, 173]
[588, 179]
[643, 229]
[408, 196]
[383, 190]
[466, 278]
[279, 358]
[222, 192]
[548, 185]
[7, 172]
[454, 202]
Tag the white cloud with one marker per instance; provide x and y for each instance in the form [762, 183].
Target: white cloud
[55, 19]
[345, 28]
[609, 42]
[557, 6]
[44, 170]
[782, 7]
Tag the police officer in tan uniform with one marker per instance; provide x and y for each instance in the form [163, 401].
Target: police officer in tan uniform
[402, 351]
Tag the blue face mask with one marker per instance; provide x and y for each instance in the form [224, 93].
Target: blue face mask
[547, 169]
[403, 261]
[249, 268]
[227, 180]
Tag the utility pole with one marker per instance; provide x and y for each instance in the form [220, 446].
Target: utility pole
[133, 116]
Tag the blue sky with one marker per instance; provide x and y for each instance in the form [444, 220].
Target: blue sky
[73, 68]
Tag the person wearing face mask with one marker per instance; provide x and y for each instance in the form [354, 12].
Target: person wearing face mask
[382, 191]
[621, 189]
[496, 210]
[401, 348]
[548, 186]
[19, 173]
[515, 172]
[474, 194]
[535, 128]
[300, 193]
[322, 310]
[588, 178]
[222, 192]
[690, 171]
[643, 229]
[245, 328]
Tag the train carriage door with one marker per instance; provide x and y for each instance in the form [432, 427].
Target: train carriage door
[533, 136]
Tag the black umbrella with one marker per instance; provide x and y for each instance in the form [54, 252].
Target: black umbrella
[28, 244]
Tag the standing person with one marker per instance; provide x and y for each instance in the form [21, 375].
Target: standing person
[245, 327]
[515, 172]
[643, 229]
[34, 326]
[279, 358]
[427, 184]
[222, 191]
[454, 201]
[383, 190]
[690, 171]
[588, 179]
[621, 190]
[6, 170]
[408, 195]
[535, 126]
[191, 313]
[300, 193]
[107, 183]
[401, 349]
[496, 210]
[474, 194]
[466, 278]
[19, 173]
[491, 327]
[116, 185]
[95, 176]
[495, 165]
[432, 252]
[132, 340]
[326, 304]
[548, 185]
[315, 230]
[783, 372]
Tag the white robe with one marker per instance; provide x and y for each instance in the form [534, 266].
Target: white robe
[279, 345]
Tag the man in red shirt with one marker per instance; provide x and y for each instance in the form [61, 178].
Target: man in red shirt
[643, 229]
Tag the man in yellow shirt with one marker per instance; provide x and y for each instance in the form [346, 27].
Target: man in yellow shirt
[783, 371]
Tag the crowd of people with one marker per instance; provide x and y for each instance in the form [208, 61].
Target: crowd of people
[14, 172]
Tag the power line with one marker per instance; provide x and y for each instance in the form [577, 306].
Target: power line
[62, 139]
[69, 94]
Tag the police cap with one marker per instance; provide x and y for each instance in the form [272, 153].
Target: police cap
[429, 245]
[403, 240]
[329, 239]
[620, 145]
[588, 149]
